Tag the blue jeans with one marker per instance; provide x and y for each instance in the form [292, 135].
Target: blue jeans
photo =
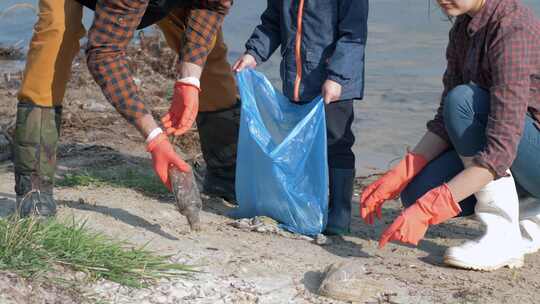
[466, 112]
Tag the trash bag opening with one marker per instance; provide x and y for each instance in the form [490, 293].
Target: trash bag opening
[282, 169]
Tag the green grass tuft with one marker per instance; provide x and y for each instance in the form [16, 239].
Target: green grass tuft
[83, 179]
[31, 248]
[144, 181]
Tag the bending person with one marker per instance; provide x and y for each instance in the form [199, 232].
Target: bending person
[55, 43]
[484, 138]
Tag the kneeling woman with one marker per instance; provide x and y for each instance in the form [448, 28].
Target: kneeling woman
[487, 125]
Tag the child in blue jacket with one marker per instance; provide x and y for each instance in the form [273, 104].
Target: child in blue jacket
[322, 48]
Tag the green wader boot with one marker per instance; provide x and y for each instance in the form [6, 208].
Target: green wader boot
[218, 133]
[35, 143]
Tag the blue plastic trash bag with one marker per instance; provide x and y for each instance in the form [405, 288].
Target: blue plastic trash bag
[282, 169]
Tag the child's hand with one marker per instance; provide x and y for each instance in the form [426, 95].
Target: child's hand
[331, 91]
[245, 61]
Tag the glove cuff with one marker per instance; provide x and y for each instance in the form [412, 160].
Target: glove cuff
[407, 169]
[452, 204]
[155, 133]
[411, 165]
[444, 207]
[155, 142]
[189, 81]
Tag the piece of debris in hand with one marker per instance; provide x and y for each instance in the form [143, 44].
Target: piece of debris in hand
[187, 196]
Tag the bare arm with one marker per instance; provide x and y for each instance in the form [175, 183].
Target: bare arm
[145, 125]
[188, 69]
[469, 181]
[466, 183]
[430, 146]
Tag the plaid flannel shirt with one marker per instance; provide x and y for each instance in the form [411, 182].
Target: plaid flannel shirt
[498, 49]
[115, 22]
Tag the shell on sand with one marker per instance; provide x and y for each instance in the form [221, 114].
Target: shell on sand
[347, 281]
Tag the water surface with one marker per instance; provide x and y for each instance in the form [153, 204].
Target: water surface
[405, 61]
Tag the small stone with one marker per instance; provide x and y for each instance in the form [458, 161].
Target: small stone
[261, 229]
[80, 276]
[179, 293]
[305, 238]
[105, 285]
[322, 240]
[181, 285]
[94, 106]
[241, 224]
[161, 299]
[256, 221]
[144, 293]
[165, 289]
[200, 293]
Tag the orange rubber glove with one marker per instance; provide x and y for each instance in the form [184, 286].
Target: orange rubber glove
[389, 186]
[183, 110]
[432, 208]
[163, 156]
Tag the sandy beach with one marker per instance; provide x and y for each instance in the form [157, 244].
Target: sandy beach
[405, 61]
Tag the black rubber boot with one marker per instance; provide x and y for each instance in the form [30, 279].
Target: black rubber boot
[339, 204]
[34, 158]
[218, 133]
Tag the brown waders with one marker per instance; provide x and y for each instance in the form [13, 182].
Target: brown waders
[48, 67]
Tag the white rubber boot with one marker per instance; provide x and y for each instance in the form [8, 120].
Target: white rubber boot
[530, 224]
[501, 245]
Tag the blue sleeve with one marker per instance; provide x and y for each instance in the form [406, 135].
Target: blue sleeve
[267, 36]
[349, 53]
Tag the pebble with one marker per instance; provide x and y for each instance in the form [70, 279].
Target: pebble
[179, 285]
[80, 276]
[165, 289]
[95, 107]
[262, 229]
[241, 224]
[143, 293]
[256, 221]
[161, 299]
[322, 240]
[305, 238]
